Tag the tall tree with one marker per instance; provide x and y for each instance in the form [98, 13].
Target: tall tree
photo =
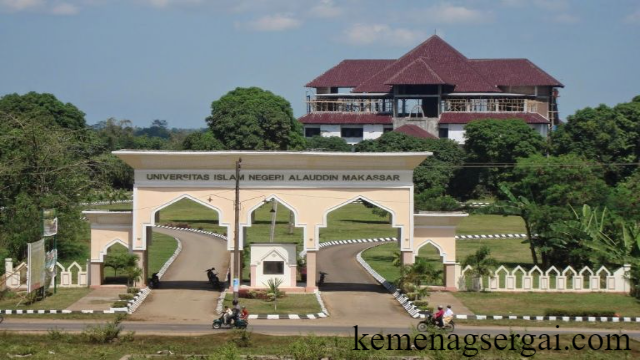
[499, 142]
[201, 140]
[603, 134]
[255, 119]
[330, 143]
[44, 107]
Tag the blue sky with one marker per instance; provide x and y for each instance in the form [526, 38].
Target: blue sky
[168, 59]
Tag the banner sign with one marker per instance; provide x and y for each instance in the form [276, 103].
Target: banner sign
[35, 265]
[49, 222]
[51, 258]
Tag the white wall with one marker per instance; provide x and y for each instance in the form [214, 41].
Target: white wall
[542, 129]
[372, 131]
[456, 133]
[330, 130]
[274, 252]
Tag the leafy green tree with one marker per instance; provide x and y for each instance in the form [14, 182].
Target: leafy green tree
[43, 166]
[328, 143]
[435, 173]
[499, 142]
[255, 119]
[201, 140]
[158, 129]
[624, 199]
[543, 188]
[603, 134]
[481, 262]
[44, 107]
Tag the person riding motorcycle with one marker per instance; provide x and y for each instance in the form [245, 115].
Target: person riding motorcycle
[438, 317]
[448, 315]
[227, 315]
[244, 314]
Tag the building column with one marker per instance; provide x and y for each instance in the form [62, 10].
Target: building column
[143, 262]
[311, 270]
[407, 257]
[451, 275]
[96, 272]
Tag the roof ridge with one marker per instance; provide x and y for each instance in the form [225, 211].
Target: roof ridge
[491, 59]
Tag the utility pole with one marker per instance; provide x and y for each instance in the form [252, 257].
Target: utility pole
[236, 236]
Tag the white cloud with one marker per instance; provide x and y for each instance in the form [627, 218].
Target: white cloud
[64, 9]
[20, 5]
[633, 18]
[368, 34]
[451, 14]
[566, 19]
[278, 22]
[326, 9]
[166, 3]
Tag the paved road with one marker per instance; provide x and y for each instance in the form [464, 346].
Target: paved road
[276, 327]
[185, 294]
[351, 295]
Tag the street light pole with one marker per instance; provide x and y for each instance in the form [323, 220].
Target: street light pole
[236, 236]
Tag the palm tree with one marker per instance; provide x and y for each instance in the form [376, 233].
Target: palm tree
[481, 263]
[397, 259]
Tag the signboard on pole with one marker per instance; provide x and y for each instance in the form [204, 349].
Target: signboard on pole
[236, 285]
[49, 222]
[35, 265]
[51, 258]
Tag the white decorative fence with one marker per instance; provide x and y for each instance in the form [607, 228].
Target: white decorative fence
[552, 280]
[16, 278]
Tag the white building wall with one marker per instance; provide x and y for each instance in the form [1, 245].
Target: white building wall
[274, 252]
[456, 133]
[372, 131]
[330, 130]
[542, 129]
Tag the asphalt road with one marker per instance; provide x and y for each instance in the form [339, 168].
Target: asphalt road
[185, 295]
[351, 295]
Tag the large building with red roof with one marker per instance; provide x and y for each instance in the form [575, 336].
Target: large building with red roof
[431, 91]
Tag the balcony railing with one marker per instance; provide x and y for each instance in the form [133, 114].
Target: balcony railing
[491, 105]
[383, 106]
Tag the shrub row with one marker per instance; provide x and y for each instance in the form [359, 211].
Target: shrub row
[580, 313]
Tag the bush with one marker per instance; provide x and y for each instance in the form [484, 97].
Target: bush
[242, 338]
[105, 333]
[133, 290]
[126, 297]
[582, 313]
[308, 348]
[420, 303]
[120, 304]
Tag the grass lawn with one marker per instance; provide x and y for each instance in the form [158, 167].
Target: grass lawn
[490, 224]
[508, 252]
[161, 248]
[221, 345]
[290, 304]
[490, 303]
[63, 299]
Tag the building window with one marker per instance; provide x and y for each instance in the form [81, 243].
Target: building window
[311, 132]
[387, 129]
[443, 133]
[273, 267]
[351, 132]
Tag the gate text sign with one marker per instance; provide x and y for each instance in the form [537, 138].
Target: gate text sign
[249, 177]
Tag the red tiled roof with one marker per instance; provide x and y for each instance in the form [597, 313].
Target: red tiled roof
[513, 72]
[415, 131]
[434, 62]
[465, 118]
[450, 65]
[345, 118]
[417, 72]
[349, 73]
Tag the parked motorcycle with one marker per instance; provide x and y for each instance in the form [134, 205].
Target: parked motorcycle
[240, 324]
[214, 280]
[430, 323]
[322, 276]
[154, 282]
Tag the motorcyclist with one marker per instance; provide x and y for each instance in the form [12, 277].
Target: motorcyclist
[236, 311]
[244, 314]
[438, 317]
[448, 315]
[227, 315]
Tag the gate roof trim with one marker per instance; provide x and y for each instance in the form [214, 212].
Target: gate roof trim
[273, 160]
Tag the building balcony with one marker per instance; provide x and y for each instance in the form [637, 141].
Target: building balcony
[494, 105]
[356, 105]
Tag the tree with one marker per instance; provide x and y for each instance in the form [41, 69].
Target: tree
[435, 173]
[603, 134]
[201, 140]
[328, 143]
[44, 107]
[43, 166]
[482, 264]
[493, 141]
[255, 119]
[550, 185]
[624, 199]
[158, 129]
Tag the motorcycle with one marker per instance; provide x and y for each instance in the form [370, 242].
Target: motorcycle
[430, 323]
[214, 280]
[239, 324]
[154, 282]
[322, 276]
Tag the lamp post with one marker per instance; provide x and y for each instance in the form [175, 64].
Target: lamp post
[236, 236]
